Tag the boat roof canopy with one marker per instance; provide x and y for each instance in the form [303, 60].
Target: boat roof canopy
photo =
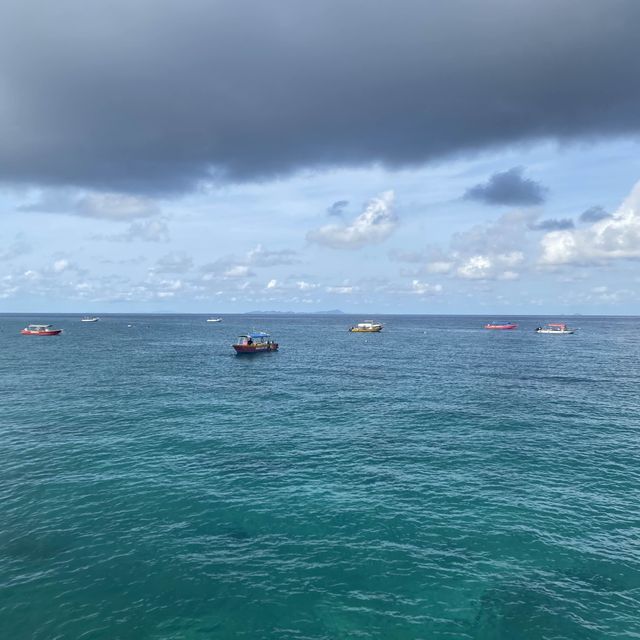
[256, 334]
[40, 326]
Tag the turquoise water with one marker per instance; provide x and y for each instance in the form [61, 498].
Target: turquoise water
[432, 481]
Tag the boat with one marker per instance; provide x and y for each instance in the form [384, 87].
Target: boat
[40, 330]
[214, 319]
[89, 319]
[256, 342]
[556, 328]
[368, 326]
[504, 326]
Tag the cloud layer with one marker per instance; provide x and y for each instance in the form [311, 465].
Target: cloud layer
[375, 224]
[100, 205]
[612, 237]
[498, 250]
[552, 224]
[156, 95]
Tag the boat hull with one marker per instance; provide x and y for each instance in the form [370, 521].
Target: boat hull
[565, 332]
[501, 327]
[52, 332]
[255, 348]
[374, 330]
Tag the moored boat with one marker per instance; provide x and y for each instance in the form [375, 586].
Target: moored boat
[368, 326]
[256, 342]
[89, 319]
[504, 326]
[214, 319]
[556, 328]
[40, 330]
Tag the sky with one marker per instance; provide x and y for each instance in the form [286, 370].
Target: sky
[401, 156]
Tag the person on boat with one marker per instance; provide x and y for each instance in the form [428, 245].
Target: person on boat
[249, 340]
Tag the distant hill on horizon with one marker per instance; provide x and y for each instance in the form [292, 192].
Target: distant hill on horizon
[330, 312]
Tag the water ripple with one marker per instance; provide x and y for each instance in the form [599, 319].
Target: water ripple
[433, 481]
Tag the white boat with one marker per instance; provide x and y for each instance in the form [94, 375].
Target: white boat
[368, 326]
[89, 319]
[556, 328]
[214, 319]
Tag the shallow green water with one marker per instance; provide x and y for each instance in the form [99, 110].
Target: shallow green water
[432, 481]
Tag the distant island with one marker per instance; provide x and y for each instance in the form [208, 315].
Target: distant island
[331, 312]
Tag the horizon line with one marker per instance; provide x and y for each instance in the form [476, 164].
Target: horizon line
[316, 313]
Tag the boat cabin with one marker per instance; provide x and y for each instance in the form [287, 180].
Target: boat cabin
[254, 342]
[555, 327]
[253, 338]
[39, 327]
[368, 326]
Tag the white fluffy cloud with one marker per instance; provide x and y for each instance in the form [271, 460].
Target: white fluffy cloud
[611, 238]
[261, 257]
[475, 267]
[155, 230]
[148, 231]
[494, 251]
[64, 266]
[490, 266]
[375, 224]
[303, 285]
[233, 266]
[61, 265]
[425, 289]
[238, 271]
[342, 290]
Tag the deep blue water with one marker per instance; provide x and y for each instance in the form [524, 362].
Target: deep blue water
[432, 481]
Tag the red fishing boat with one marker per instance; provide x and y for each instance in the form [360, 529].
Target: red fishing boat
[504, 326]
[40, 330]
[255, 343]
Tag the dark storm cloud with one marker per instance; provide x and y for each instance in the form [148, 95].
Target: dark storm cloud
[153, 95]
[337, 208]
[553, 224]
[594, 214]
[508, 187]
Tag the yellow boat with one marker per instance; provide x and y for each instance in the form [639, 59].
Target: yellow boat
[368, 326]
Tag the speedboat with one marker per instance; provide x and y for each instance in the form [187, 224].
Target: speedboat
[89, 319]
[214, 319]
[40, 330]
[556, 328]
[256, 342]
[368, 326]
[504, 326]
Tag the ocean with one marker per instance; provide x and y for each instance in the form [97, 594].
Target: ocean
[432, 481]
